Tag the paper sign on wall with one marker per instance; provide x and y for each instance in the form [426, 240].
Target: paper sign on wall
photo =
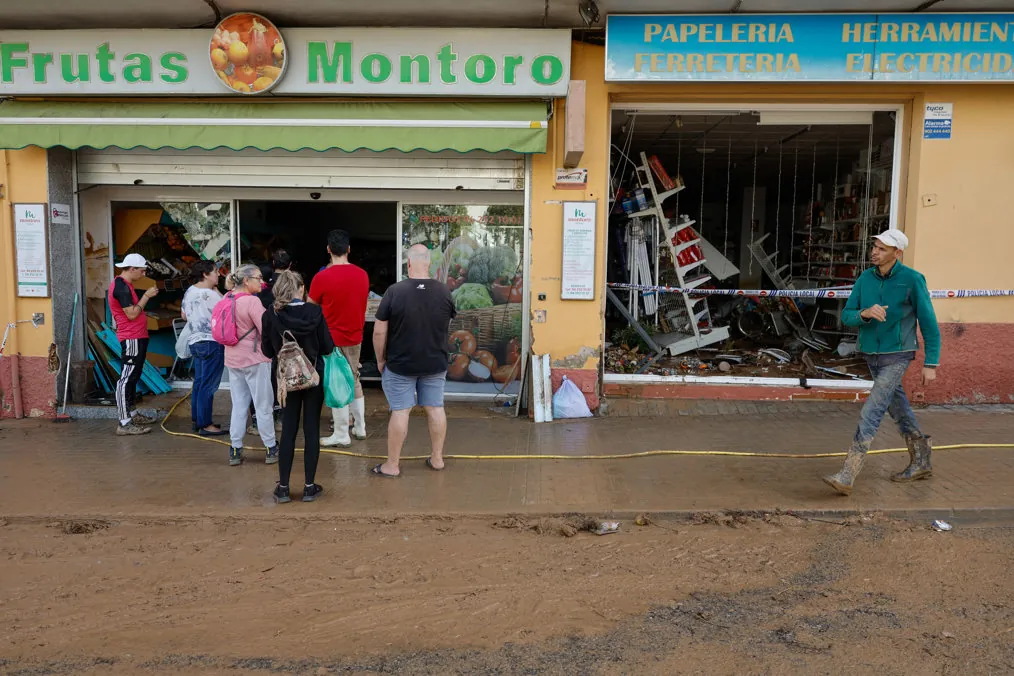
[578, 273]
[31, 250]
[937, 120]
[59, 214]
[571, 179]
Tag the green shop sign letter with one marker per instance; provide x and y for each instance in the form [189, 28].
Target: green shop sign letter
[78, 67]
[334, 63]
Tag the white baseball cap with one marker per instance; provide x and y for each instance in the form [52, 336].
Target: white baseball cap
[133, 261]
[893, 237]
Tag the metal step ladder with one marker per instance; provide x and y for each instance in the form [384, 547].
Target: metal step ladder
[689, 325]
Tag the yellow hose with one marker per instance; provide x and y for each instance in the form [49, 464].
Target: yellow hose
[617, 456]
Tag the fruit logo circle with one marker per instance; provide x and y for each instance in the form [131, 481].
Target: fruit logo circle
[248, 53]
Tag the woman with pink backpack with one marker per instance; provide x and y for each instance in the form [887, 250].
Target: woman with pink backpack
[236, 323]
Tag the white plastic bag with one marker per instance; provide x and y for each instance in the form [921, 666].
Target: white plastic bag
[569, 402]
[183, 343]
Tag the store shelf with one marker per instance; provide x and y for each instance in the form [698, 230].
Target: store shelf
[671, 229]
[695, 282]
[825, 279]
[653, 210]
[684, 269]
[820, 263]
[845, 221]
[822, 245]
[669, 193]
[683, 246]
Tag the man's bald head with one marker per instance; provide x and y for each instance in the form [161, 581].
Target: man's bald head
[418, 262]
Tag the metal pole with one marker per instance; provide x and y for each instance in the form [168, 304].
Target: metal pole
[70, 342]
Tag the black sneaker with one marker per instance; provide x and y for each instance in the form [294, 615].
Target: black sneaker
[311, 493]
[131, 429]
[281, 494]
[235, 456]
[271, 457]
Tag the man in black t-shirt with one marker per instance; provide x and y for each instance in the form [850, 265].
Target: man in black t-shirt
[410, 339]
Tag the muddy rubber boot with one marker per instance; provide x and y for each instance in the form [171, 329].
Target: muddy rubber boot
[919, 450]
[359, 419]
[340, 437]
[843, 480]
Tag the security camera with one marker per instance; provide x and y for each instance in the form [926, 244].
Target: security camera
[315, 195]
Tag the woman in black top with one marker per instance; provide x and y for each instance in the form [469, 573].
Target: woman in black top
[306, 323]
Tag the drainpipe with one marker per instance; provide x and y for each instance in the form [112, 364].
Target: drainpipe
[12, 295]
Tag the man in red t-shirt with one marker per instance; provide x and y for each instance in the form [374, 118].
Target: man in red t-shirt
[127, 308]
[341, 290]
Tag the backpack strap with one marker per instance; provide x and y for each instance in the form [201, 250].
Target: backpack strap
[235, 314]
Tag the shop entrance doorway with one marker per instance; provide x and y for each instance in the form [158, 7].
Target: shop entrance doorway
[301, 229]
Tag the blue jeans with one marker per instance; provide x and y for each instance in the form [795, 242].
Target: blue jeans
[209, 361]
[887, 396]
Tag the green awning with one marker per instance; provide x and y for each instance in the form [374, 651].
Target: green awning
[433, 126]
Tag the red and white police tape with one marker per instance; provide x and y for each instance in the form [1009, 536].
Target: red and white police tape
[803, 293]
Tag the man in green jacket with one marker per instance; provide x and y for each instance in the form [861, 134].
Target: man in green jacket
[887, 302]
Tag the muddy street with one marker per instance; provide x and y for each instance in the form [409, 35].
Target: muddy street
[714, 594]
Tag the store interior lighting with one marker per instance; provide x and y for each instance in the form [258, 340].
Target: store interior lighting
[813, 117]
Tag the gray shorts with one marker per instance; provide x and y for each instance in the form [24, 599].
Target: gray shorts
[402, 391]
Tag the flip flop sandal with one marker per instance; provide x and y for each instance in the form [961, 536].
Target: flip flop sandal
[430, 465]
[211, 433]
[379, 472]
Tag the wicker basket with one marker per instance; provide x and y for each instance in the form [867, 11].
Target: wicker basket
[488, 324]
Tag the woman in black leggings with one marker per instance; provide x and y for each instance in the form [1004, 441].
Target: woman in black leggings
[306, 324]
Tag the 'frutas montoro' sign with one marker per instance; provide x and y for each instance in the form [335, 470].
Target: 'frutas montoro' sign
[359, 61]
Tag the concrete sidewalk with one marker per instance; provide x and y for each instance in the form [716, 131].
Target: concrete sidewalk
[82, 469]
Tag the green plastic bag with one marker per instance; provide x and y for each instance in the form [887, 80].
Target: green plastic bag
[339, 381]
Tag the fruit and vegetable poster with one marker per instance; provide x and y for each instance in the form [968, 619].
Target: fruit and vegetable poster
[478, 251]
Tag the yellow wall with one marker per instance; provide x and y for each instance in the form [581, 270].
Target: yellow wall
[964, 242]
[572, 334]
[23, 174]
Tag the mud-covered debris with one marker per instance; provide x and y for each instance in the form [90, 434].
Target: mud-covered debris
[568, 531]
[512, 523]
[82, 527]
[606, 527]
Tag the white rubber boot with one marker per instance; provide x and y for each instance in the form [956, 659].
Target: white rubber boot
[359, 419]
[340, 437]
